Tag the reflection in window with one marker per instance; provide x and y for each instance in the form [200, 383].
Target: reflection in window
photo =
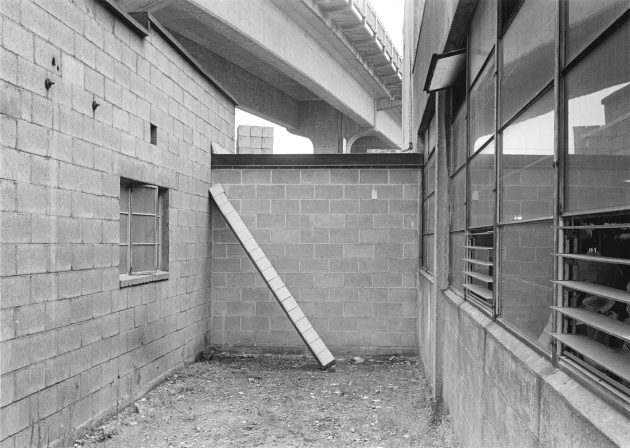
[429, 176]
[528, 56]
[458, 136]
[458, 201]
[482, 108]
[526, 270]
[481, 193]
[598, 134]
[588, 19]
[527, 158]
[482, 34]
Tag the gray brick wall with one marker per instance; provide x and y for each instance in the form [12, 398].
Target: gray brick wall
[345, 242]
[74, 345]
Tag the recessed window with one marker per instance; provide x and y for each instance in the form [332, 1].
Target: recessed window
[153, 134]
[143, 228]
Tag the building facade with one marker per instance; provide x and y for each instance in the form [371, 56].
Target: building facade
[522, 112]
[107, 128]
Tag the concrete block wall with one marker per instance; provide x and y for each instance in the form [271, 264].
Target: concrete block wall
[254, 140]
[345, 242]
[75, 346]
[500, 393]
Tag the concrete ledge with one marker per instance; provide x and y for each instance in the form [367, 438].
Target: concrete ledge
[132, 280]
[411, 160]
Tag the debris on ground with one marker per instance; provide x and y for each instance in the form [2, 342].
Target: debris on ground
[243, 400]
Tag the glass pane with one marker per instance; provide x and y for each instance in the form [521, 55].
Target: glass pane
[527, 181]
[427, 253]
[588, 19]
[458, 239]
[122, 260]
[482, 34]
[481, 194]
[598, 136]
[458, 201]
[432, 134]
[143, 199]
[124, 198]
[482, 109]
[142, 229]
[430, 214]
[528, 55]
[458, 137]
[429, 177]
[527, 270]
[143, 258]
[124, 222]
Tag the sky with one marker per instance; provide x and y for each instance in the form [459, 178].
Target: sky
[391, 13]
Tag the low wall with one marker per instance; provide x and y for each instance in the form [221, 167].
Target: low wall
[343, 238]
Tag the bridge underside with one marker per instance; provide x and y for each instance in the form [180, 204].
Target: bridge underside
[282, 61]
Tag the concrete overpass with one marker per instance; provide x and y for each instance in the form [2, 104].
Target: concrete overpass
[324, 69]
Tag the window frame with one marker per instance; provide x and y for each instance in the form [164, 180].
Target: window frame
[161, 240]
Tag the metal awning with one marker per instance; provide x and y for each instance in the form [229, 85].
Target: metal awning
[446, 70]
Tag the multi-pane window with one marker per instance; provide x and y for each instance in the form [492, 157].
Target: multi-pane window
[428, 197]
[546, 177]
[594, 278]
[143, 229]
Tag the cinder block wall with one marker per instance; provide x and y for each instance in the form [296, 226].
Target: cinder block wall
[502, 393]
[76, 346]
[254, 140]
[345, 242]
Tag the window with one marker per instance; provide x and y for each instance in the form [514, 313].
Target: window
[595, 300]
[540, 199]
[428, 196]
[528, 50]
[143, 229]
[598, 156]
[594, 278]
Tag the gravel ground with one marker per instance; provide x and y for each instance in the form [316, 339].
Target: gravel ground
[282, 401]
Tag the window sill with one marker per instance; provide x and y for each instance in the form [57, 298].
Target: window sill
[132, 280]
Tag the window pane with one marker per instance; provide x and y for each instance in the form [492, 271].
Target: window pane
[527, 181]
[430, 214]
[527, 270]
[143, 258]
[122, 260]
[458, 201]
[458, 137]
[528, 55]
[143, 199]
[142, 229]
[432, 134]
[124, 222]
[124, 198]
[481, 194]
[429, 177]
[458, 239]
[482, 34]
[588, 19]
[427, 253]
[482, 109]
[598, 136]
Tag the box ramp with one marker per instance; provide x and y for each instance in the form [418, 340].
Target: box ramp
[301, 323]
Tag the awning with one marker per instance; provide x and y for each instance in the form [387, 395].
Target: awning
[446, 70]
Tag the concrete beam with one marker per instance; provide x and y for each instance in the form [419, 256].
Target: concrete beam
[252, 94]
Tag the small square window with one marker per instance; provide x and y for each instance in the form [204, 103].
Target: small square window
[143, 229]
[153, 134]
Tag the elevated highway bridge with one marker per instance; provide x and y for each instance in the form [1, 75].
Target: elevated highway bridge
[324, 69]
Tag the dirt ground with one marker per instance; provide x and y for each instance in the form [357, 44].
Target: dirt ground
[282, 401]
